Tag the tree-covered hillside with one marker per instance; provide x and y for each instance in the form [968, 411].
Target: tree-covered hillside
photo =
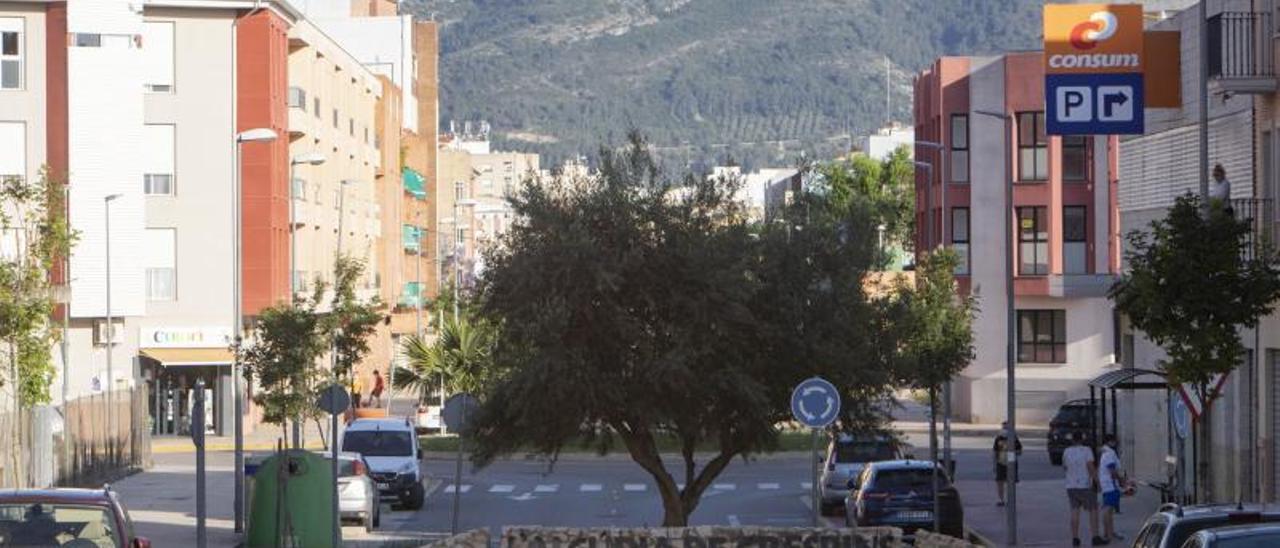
[756, 80]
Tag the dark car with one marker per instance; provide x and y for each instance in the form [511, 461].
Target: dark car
[1072, 417]
[1239, 536]
[1172, 525]
[88, 518]
[846, 456]
[899, 494]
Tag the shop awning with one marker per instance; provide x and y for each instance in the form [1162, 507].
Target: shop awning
[414, 183]
[173, 357]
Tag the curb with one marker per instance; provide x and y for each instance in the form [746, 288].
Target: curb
[220, 447]
[977, 538]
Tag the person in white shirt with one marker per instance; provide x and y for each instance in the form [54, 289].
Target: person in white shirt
[1220, 187]
[1110, 480]
[1082, 482]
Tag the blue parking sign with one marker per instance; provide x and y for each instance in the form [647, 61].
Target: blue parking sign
[1093, 104]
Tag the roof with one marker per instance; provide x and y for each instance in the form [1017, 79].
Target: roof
[904, 464]
[1123, 379]
[70, 496]
[1245, 531]
[390, 424]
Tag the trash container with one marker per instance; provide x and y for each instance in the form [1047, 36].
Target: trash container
[303, 482]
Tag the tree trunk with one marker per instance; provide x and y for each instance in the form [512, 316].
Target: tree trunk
[1206, 450]
[933, 454]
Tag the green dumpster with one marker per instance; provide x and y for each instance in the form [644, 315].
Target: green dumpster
[306, 518]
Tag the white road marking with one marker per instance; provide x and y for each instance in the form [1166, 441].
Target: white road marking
[590, 488]
[733, 521]
[806, 485]
[768, 486]
[724, 486]
[633, 487]
[463, 489]
[502, 489]
[546, 488]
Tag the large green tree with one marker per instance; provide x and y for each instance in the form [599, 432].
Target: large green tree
[886, 187]
[1194, 279]
[635, 307]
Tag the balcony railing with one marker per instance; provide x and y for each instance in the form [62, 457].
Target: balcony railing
[1240, 52]
[1261, 215]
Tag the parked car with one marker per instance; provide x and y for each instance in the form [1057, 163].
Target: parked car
[93, 518]
[390, 448]
[845, 458]
[1240, 536]
[899, 493]
[358, 497]
[1172, 525]
[1071, 417]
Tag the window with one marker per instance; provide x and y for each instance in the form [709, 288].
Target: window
[11, 52]
[335, 118]
[960, 237]
[157, 159]
[315, 103]
[366, 135]
[1042, 336]
[459, 191]
[161, 272]
[85, 40]
[351, 126]
[1033, 147]
[157, 56]
[1075, 246]
[300, 190]
[337, 199]
[1033, 240]
[298, 98]
[13, 149]
[960, 148]
[1075, 158]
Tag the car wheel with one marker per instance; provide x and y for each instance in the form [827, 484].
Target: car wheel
[368, 522]
[416, 497]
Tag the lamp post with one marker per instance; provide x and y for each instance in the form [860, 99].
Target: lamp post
[1011, 440]
[258, 135]
[333, 360]
[314, 159]
[111, 331]
[944, 177]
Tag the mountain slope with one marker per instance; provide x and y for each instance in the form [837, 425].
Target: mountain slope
[755, 80]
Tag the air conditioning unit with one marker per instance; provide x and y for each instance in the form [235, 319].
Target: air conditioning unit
[100, 332]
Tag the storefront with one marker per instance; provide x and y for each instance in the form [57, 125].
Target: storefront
[173, 361]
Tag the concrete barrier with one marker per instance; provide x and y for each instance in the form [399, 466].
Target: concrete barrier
[926, 539]
[701, 537]
[478, 538]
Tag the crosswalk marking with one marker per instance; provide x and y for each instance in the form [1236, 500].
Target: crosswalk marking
[633, 487]
[724, 486]
[463, 489]
[768, 486]
[550, 488]
[590, 488]
[546, 488]
[502, 489]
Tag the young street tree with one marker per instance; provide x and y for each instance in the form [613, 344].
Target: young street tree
[461, 357]
[632, 308]
[1193, 281]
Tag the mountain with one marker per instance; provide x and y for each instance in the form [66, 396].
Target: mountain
[757, 81]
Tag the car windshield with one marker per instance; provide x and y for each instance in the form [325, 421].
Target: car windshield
[906, 479]
[863, 451]
[377, 443]
[1260, 540]
[1073, 414]
[346, 467]
[55, 525]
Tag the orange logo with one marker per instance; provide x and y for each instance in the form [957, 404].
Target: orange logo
[1100, 26]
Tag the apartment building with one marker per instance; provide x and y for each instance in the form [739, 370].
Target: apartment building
[1063, 240]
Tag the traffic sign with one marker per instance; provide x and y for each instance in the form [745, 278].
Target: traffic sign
[815, 403]
[1181, 418]
[458, 411]
[1093, 104]
[1093, 55]
[333, 399]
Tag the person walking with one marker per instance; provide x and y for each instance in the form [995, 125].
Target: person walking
[1001, 457]
[357, 389]
[1082, 483]
[1111, 481]
[378, 386]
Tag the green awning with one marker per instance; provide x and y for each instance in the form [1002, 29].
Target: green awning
[411, 237]
[414, 184]
[411, 295]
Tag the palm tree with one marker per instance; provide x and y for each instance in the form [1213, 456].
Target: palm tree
[461, 357]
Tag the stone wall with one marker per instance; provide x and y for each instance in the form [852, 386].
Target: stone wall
[701, 537]
[478, 538]
[925, 539]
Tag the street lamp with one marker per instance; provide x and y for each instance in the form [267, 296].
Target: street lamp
[1011, 440]
[333, 357]
[313, 159]
[111, 331]
[938, 148]
[257, 135]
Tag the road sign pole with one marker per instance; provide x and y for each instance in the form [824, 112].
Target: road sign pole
[197, 438]
[817, 501]
[457, 477]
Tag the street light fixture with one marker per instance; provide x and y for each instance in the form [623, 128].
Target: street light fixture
[257, 135]
[1011, 440]
[111, 331]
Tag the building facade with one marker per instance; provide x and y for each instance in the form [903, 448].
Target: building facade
[988, 113]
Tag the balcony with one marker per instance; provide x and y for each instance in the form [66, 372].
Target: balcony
[299, 121]
[1260, 213]
[1241, 59]
[1076, 286]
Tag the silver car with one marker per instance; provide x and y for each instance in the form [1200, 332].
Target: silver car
[357, 496]
[1236, 536]
[846, 456]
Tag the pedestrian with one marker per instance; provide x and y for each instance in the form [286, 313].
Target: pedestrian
[1082, 484]
[1001, 457]
[378, 387]
[357, 389]
[1111, 481]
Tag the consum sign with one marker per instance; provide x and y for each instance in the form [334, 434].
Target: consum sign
[1093, 38]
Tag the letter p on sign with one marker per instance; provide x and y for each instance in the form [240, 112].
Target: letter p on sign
[1075, 104]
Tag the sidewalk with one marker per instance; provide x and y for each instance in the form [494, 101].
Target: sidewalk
[1044, 515]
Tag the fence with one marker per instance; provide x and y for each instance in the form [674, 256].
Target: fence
[83, 444]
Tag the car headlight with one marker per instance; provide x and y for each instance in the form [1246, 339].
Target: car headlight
[408, 468]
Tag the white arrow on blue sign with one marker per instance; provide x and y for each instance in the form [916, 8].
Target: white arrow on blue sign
[1093, 104]
[815, 403]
